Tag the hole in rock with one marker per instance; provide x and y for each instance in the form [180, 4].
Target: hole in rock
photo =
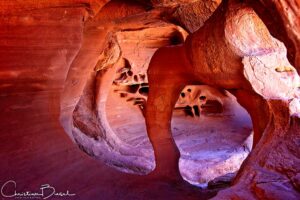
[122, 95]
[144, 91]
[202, 98]
[214, 136]
[176, 38]
[129, 73]
[188, 111]
[196, 110]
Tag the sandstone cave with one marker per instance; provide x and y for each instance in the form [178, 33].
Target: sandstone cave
[150, 99]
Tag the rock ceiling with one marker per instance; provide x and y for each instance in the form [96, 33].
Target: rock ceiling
[113, 72]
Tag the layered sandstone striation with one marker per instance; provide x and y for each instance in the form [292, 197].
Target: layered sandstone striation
[174, 90]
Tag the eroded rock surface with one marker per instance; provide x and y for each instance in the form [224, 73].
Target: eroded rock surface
[270, 173]
[234, 36]
[86, 63]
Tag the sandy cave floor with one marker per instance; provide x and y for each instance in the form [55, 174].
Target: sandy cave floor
[42, 153]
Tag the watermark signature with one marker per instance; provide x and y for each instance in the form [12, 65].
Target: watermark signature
[46, 191]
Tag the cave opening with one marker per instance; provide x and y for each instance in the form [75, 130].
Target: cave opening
[91, 86]
[212, 131]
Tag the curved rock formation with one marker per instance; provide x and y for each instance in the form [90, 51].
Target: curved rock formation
[234, 51]
[272, 169]
[85, 119]
[173, 90]
[283, 14]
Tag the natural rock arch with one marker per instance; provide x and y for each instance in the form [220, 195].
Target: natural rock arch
[233, 50]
